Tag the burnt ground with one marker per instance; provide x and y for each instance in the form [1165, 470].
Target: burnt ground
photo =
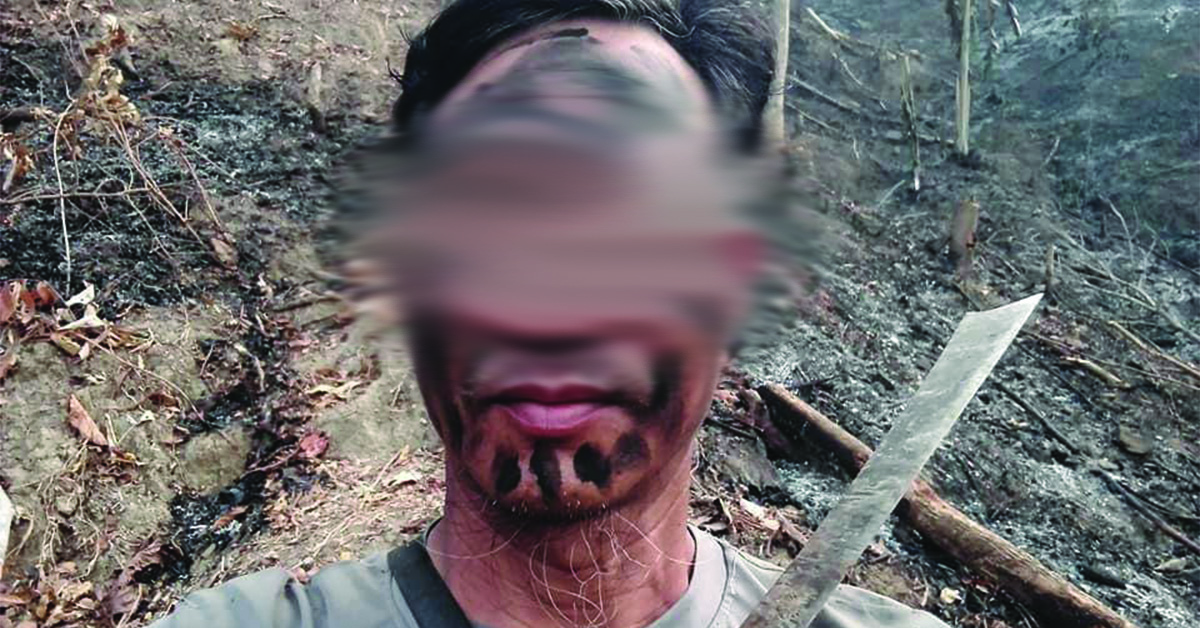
[243, 393]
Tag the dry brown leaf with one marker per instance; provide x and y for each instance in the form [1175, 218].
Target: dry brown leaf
[7, 362]
[20, 162]
[313, 444]
[224, 252]
[228, 517]
[404, 477]
[122, 598]
[241, 31]
[26, 298]
[91, 320]
[335, 391]
[68, 346]
[79, 419]
[8, 301]
[149, 555]
[85, 296]
[45, 295]
[14, 600]
[72, 591]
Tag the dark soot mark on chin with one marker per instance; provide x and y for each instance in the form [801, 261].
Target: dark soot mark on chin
[507, 472]
[544, 465]
[630, 451]
[592, 466]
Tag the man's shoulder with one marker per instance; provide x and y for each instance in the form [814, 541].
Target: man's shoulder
[275, 599]
[849, 607]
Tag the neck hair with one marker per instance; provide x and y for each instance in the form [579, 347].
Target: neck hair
[509, 571]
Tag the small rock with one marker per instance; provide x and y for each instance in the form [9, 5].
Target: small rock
[1133, 441]
[66, 504]
[1103, 575]
[1174, 565]
[744, 461]
[213, 460]
[950, 597]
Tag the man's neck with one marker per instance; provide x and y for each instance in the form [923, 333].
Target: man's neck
[623, 569]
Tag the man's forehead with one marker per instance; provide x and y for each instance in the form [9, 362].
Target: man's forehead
[590, 70]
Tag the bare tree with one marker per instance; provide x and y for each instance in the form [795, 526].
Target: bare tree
[774, 120]
[962, 89]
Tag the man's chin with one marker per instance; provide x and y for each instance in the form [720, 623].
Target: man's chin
[538, 511]
[568, 501]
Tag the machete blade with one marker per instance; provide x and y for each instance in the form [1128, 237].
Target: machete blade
[973, 351]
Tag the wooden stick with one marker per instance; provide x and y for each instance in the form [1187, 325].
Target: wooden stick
[1051, 597]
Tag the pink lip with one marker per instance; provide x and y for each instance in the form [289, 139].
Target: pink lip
[552, 420]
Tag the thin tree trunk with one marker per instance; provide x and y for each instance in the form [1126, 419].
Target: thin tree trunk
[963, 87]
[774, 121]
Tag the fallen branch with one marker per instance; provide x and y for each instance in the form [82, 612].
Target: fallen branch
[1051, 597]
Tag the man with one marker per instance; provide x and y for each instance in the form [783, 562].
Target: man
[569, 234]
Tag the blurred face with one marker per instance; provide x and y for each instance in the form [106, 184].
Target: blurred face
[574, 269]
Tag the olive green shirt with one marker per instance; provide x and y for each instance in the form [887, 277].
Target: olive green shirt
[726, 586]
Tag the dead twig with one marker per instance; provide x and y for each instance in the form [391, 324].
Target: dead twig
[62, 202]
[1100, 372]
[1153, 350]
[812, 89]
[1151, 375]
[177, 146]
[40, 196]
[1053, 150]
[1135, 502]
[156, 193]
[1135, 294]
[1041, 418]
[326, 297]
[815, 120]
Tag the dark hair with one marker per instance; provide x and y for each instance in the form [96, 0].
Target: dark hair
[727, 42]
